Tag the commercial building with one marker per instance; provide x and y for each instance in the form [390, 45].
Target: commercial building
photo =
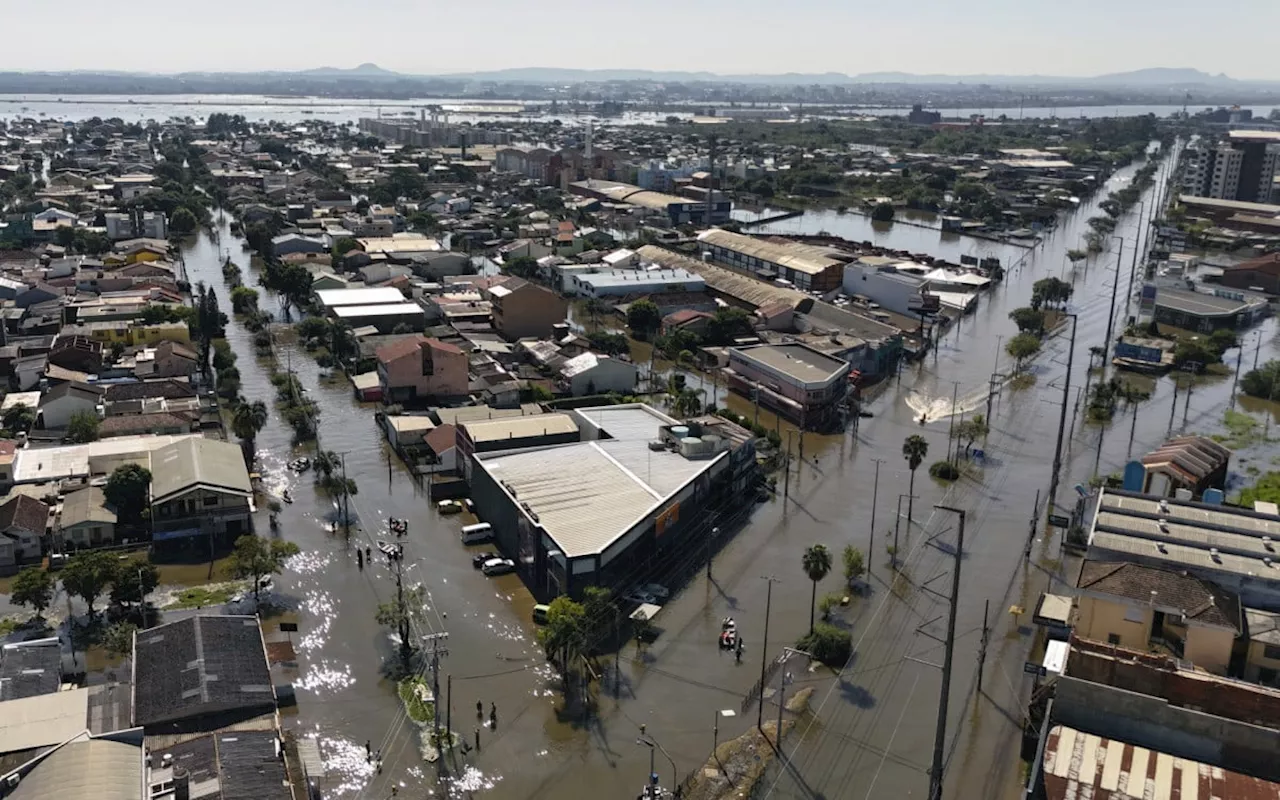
[628, 282]
[806, 267]
[145, 224]
[796, 381]
[331, 299]
[1202, 312]
[1261, 274]
[386, 317]
[1235, 548]
[594, 373]
[1243, 167]
[677, 210]
[512, 433]
[633, 492]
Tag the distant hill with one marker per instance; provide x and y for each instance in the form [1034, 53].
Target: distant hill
[362, 71]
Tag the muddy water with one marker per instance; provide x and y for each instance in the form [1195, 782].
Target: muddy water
[872, 729]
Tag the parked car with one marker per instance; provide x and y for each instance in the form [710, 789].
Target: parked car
[478, 559]
[657, 590]
[640, 598]
[540, 614]
[449, 507]
[498, 566]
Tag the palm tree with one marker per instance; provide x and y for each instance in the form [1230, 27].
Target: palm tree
[914, 449]
[248, 419]
[817, 563]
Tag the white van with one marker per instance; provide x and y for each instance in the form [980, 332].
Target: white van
[479, 533]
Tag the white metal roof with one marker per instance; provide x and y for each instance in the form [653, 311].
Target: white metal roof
[332, 298]
[381, 310]
[42, 720]
[520, 427]
[33, 464]
[587, 495]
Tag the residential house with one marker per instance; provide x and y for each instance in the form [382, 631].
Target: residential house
[1137, 606]
[593, 373]
[23, 523]
[523, 310]
[64, 401]
[1262, 664]
[687, 320]
[200, 490]
[8, 451]
[79, 353]
[167, 388]
[167, 360]
[86, 521]
[1261, 274]
[159, 422]
[417, 368]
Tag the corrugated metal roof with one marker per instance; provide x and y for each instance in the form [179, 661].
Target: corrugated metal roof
[196, 462]
[520, 427]
[1078, 764]
[792, 255]
[630, 422]
[93, 769]
[332, 298]
[43, 720]
[587, 495]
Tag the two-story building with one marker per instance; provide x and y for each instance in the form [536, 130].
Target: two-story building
[523, 310]
[200, 492]
[23, 523]
[417, 368]
[802, 384]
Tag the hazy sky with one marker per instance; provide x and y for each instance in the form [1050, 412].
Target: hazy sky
[1082, 37]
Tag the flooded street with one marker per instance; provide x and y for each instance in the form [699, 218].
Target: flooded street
[869, 732]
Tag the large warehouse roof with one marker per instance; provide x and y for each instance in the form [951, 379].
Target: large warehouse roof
[793, 255]
[588, 495]
[332, 298]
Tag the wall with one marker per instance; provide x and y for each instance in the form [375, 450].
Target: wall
[1209, 648]
[1258, 661]
[609, 375]
[1100, 618]
[530, 311]
[1181, 732]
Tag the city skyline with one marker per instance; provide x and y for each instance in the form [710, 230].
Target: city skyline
[997, 37]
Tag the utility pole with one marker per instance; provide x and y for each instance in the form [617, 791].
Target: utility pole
[897, 523]
[1133, 267]
[875, 493]
[991, 382]
[982, 648]
[1236, 381]
[786, 465]
[951, 420]
[1062, 416]
[1193, 367]
[346, 500]
[944, 696]
[438, 648]
[1111, 314]
[764, 649]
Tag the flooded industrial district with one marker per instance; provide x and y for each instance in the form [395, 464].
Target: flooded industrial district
[868, 732]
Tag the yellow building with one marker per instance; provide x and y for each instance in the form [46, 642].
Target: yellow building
[1147, 608]
[108, 333]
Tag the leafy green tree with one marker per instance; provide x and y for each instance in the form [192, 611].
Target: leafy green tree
[831, 645]
[1050, 291]
[1192, 352]
[883, 212]
[1261, 382]
[970, 430]
[816, 563]
[133, 582]
[914, 449]
[1028, 320]
[400, 616]
[117, 640]
[643, 318]
[33, 587]
[19, 418]
[562, 637]
[521, 267]
[728, 324]
[128, 490]
[599, 613]
[1022, 347]
[83, 427]
[256, 558]
[183, 222]
[243, 299]
[854, 566]
[88, 574]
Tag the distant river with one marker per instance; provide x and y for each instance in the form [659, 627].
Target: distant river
[256, 108]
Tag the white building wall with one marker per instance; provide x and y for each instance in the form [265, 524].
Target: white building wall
[892, 295]
[610, 375]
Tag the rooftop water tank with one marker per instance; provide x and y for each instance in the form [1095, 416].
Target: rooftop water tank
[680, 431]
[690, 445]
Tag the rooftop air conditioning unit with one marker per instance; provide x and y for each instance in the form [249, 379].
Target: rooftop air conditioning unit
[1164, 505]
[1163, 524]
[1213, 553]
[1160, 546]
[1266, 542]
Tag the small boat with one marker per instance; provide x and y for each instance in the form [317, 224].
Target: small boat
[300, 464]
[728, 634]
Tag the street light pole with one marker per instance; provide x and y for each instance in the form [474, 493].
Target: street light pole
[875, 493]
[764, 649]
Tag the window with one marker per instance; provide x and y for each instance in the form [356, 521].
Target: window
[1113, 639]
[1134, 615]
[211, 500]
[1272, 652]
